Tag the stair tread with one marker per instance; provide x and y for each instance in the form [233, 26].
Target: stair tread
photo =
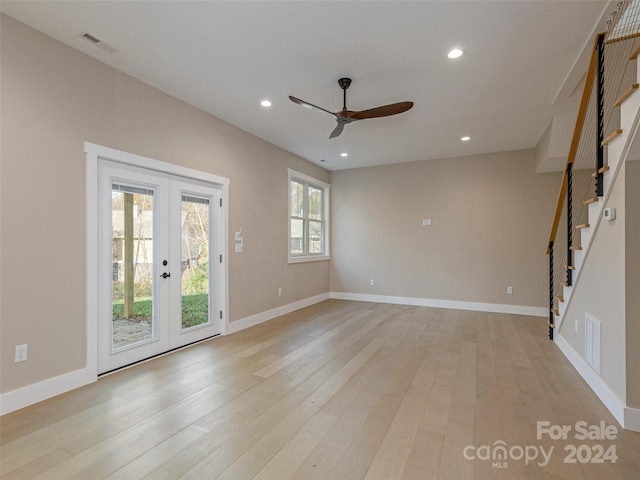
[560, 298]
[582, 225]
[564, 284]
[569, 267]
[609, 138]
[601, 170]
[622, 38]
[591, 200]
[575, 247]
[635, 53]
[551, 324]
[627, 93]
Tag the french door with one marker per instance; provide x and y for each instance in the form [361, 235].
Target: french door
[159, 263]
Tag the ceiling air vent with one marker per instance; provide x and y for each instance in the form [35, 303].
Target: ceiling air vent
[90, 37]
[105, 47]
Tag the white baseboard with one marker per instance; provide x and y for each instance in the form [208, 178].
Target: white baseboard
[451, 304]
[37, 392]
[40, 391]
[259, 318]
[628, 418]
[262, 317]
[632, 419]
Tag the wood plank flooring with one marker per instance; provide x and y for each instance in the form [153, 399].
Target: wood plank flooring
[337, 391]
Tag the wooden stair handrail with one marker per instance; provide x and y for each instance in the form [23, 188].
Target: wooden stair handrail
[575, 140]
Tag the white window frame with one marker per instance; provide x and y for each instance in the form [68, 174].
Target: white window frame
[314, 182]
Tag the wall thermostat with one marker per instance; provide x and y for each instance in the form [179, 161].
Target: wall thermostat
[609, 214]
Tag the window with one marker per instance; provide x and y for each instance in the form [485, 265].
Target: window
[308, 218]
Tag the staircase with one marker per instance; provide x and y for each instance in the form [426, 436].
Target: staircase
[577, 240]
[593, 273]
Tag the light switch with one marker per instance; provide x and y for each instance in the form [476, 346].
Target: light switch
[239, 239]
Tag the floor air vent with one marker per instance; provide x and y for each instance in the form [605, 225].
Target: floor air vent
[592, 334]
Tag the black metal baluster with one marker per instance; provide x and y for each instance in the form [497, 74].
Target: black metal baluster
[569, 223]
[551, 315]
[600, 124]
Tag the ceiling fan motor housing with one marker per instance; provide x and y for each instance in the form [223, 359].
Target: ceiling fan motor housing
[344, 83]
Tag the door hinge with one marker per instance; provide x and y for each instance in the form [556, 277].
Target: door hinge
[220, 202]
[220, 258]
[220, 314]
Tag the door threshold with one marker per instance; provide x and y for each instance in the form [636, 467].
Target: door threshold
[144, 360]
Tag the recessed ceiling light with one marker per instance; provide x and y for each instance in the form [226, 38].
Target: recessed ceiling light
[465, 138]
[455, 53]
[344, 154]
[265, 103]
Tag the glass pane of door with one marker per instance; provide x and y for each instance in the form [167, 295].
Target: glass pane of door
[132, 266]
[194, 262]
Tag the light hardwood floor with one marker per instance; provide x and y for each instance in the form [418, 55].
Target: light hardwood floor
[340, 390]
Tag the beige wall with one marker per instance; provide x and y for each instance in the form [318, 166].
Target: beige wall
[490, 217]
[53, 100]
[632, 241]
[600, 291]
[490, 213]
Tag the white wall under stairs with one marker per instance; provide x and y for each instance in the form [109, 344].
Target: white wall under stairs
[601, 287]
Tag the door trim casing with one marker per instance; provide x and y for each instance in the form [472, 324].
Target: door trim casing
[94, 153]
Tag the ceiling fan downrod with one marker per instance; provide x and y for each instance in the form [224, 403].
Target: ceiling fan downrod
[344, 84]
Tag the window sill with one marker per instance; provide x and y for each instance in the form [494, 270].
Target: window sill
[309, 258]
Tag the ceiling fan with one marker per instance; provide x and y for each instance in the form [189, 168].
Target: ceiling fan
[345, 116]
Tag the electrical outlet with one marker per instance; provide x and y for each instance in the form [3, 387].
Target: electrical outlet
[575, 325]
[509, 290]
[279, 291]
[21, 353]
[372, 282]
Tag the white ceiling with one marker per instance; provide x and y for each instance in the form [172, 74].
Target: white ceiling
[225, 57]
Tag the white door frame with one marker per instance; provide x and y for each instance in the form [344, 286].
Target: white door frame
[93, 154]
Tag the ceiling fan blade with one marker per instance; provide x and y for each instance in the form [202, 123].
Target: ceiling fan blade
[310, 106]
[337, 131]
[384, 111]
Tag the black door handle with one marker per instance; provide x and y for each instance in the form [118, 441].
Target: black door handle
[165, 275]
